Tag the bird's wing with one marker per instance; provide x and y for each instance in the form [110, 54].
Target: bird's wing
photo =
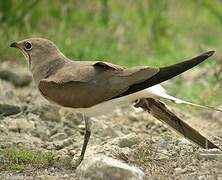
[162, 113]
[84, 71]
[84, 84]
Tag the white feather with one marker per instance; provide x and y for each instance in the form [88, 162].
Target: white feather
[156, 91]
[159, 91]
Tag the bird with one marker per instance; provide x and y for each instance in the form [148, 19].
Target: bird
[94, 88]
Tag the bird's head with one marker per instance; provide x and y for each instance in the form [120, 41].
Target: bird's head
[37, 50]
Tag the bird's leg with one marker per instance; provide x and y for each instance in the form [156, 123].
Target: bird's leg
[86, 136]
[86, 139]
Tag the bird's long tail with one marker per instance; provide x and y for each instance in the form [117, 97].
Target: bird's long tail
[168, 72]
[160, 92]
[162, 113]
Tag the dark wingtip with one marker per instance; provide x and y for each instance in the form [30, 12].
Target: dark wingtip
[211, 146]
[169, 72]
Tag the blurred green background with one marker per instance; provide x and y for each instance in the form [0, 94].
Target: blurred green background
[127, 32]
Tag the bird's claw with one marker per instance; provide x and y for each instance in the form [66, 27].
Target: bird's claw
[76, 162]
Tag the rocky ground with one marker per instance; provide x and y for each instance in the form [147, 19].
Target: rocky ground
[38, 140]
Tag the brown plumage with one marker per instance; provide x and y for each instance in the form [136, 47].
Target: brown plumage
[93, 86]
[85, 84]
[89, 83]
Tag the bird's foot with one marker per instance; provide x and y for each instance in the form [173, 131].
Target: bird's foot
[76, 161]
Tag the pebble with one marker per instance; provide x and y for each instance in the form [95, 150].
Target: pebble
[133, 117]
[184, 142]
[100, 167]
[17, 79]
[210, 154]
[58, 137]
[20, 125]
[128, 140]
[50, 113]
[61, 144]
[179, 171]
[104, 130]
[210, 151]
[9, 109]
[73, 118]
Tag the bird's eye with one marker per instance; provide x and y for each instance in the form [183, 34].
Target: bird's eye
[28, 46]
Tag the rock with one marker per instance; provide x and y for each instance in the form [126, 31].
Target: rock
[64, 143]
[184, 142]
[50, 113]
[210, 154]
[8, 109]
[163, 144]
[104, 130]
[72, 117]
[58, 137]
[179, 171]
[128, 140]
[69, 131]
[48, 177]
[203, 177]
[20, 125]
[210, 151]
[17, 79]
[46, 112]
[133, 116]
[185, 146]
[100, 167]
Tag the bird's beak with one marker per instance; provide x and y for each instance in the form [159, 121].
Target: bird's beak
[19, 46]
[14, 44]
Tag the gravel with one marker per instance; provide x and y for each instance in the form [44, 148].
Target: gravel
[128, 136]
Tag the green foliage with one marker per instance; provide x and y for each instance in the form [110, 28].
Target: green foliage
[13, 12]
[19, 159]
[133, 33]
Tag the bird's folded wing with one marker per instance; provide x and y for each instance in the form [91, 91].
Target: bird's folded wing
[84, 84]
[88, 83]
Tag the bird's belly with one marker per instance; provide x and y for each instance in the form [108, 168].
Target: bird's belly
[111, 105]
